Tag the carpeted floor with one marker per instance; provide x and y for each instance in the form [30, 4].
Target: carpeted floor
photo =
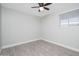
[38, 48]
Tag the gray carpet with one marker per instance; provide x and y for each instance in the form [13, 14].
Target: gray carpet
[38, 48]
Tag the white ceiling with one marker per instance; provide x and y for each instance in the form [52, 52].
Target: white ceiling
[54, 8]
[26, 8]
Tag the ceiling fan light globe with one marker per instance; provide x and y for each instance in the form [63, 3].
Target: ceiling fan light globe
[41, 9]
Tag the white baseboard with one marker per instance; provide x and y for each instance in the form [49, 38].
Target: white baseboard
[62, 45]
[16, 44]
[65, 46]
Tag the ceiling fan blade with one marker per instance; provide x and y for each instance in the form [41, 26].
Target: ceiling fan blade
[46, 8]
[47, 4]
[35, 7]
[41, 4]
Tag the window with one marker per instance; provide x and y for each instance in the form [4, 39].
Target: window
[74, 21]
[70, 18]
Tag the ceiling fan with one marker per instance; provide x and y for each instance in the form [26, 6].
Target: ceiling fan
[42, 6]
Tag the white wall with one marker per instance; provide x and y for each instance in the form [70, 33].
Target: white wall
[0, 26]
[68, 36]
[18, 27]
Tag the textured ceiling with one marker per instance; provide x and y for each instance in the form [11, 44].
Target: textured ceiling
[54, 8]
[26, 8]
